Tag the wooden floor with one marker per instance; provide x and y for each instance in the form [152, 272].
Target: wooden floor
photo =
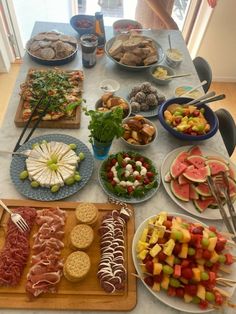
[7, 82]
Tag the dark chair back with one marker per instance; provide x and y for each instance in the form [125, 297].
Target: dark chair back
[204, 71]
[227, 129]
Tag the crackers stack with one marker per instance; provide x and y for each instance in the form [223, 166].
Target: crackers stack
[81, 236]
[77, 266]
[86, 213]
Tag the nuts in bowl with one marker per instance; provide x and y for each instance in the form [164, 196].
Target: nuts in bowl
[139, 132]
[109, 102]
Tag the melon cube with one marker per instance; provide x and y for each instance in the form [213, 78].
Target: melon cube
[196, 274]
[157, 268]
[212, 244]
[186, 236]
[214, 257]
[188, 298]
[184, 251]
[165, 282]
[201, 292]
[156, 286]
[170, 260]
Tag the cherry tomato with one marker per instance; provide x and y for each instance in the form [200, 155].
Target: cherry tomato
[150, 174]
[196, 113]
[110, 175]
[138, 177]
[113, 183]
[123, 164]
[113, 161]
[130, 189]
[146, 181]
[146, 165]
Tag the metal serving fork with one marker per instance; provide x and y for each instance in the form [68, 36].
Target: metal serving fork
[17, 219]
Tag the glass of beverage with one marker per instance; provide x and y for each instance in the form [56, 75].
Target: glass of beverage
[89, 43]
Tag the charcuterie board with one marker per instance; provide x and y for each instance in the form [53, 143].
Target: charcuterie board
[86, 294]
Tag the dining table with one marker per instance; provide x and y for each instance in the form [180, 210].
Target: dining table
[92, 192]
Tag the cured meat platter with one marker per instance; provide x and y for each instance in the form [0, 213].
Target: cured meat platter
[57, 118]
[83, 295]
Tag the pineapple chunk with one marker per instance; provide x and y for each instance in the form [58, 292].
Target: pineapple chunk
[165, 282]
[143, 237]
[161, 233]
[154, 237]
[196, 274]
[157, 268]
[214, 258]
[142, 254]
[168, 247]
[201, 261]
[201, 292]
[184, 251]
[205, 234]
[187, 298]
[141, 246]
[186, 236]
[161, 218]
[170, 260]
[155, 250]
[156, 286]
[212, 244]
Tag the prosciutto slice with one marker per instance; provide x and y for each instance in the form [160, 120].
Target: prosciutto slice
[46, 264]
[15, 253]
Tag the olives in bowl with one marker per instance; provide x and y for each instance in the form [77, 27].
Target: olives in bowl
[188, 122]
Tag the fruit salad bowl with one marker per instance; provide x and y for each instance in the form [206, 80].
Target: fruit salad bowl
[188, 123]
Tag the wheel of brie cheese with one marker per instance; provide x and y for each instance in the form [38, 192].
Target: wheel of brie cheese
[52, 163]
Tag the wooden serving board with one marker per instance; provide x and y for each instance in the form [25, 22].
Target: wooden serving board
[84, 295]
[63, 123]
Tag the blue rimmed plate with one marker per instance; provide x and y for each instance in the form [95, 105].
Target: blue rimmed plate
[85, 169]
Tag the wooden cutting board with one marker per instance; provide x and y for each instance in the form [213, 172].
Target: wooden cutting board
[63, 123]
[85, 295]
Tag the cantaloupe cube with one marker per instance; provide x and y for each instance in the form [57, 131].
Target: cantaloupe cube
[214, 258]
[170, 260]
[165, 282]
[184, 251]
[144, 234]
[201, 292]
[201, 267]
[155, 250]
[156, 286]
[157, 268]
[196, 274]
[188, 298]
[212, 244]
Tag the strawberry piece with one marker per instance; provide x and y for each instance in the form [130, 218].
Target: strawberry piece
[229, 259]
[177, 271]
[218, 298]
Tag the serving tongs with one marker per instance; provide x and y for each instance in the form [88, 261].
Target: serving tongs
[37, 121]
[216, 194]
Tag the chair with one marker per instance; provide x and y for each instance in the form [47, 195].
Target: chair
[204, 71]
[227, 129]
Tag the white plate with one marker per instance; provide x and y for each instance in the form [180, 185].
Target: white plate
[213, 214]
[174, 302]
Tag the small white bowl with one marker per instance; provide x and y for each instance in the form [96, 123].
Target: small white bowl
[161, 80]
[140, 146]
[109, 86]
[174, 57]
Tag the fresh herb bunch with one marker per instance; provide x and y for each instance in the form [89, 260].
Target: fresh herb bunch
[105, 126]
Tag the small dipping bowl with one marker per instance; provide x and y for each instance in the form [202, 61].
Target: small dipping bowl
[158, 73]
[181, 90]
[109, 86]
[174, 57]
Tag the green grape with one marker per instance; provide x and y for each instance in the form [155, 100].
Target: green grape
[177, 260]
[205, 242]
[23, 175]
[77, 177]
[210, 296]
[177, 235]
[191, 251]
[34, 184]
[174, 283]
[202, 110]
[212, 234]
[196, 300]
[204, 275]
[81, 156]
[221, 259]
[73, 146]
[55, 188]
[167, 270]
[70, 181]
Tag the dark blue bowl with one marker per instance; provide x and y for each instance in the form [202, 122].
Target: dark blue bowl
[209, 115]
[79, 18]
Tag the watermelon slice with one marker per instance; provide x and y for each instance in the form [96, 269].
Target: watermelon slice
[203, 189]
[197, 161]
[216, 166]
[183, 180]
[193, 195]
[201, 205]
[232, 173]
[168, 177]
[195, 150]
[182, 157]
[197, 175]
[218, 158]
[177, 167]
[180, 191]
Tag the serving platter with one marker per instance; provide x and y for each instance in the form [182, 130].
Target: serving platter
[86, 294]
[85, 169]
[212, 214]
[174, 302]
[72, 122]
